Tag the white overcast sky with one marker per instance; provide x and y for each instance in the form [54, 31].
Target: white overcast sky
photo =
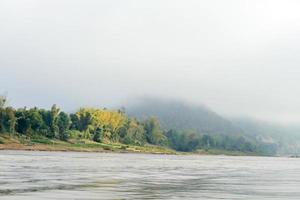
[238, 57]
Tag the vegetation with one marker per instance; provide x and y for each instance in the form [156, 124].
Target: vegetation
[111, 130]
[191, 141]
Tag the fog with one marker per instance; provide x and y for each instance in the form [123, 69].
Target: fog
[240, 58]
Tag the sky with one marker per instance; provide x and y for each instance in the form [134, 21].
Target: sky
[238, 57]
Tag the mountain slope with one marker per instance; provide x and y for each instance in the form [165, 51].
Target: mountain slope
[182, 116]
[174, 114]
[287, 138]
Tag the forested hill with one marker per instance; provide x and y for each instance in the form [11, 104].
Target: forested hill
[185, 118]
[174, 114]
[286, 138]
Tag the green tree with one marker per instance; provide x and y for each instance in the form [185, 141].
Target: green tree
[154, 134]
[81, 120]
[23, 122]
[53, 125]
[63, 124]
[207, 142]
[98, 134]
[135, 133]
[2, 101]
[35, 119]
[7, 119]
[183, 140]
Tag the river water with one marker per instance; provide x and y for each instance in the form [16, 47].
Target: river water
[71, 175]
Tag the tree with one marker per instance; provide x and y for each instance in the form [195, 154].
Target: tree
[53, 125]
[45, 130]
[23, 122]
[2, 114]
[153, 132]
[81, 120]
[11, 119]
[89, 119]
[207, 142]
[98, 133]
[135, 133]
[2, 101]
[35, 119]
[7, 120]
[63, 124]
[183, 140]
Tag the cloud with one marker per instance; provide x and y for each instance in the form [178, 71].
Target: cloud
[237, 57]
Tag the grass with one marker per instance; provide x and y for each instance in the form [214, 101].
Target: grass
[224, 152]
[40, 143]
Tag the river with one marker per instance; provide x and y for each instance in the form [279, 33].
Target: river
[28, 175]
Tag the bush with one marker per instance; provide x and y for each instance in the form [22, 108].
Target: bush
[40, 140]
[74, 134]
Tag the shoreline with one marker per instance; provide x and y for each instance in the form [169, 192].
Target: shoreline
[56, 148]
[106, 148]
[11, 142]
[15, 143]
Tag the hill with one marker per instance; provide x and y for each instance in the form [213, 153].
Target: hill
[286, 138]
[174, 114]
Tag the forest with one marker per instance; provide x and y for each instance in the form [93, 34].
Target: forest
[115, 126]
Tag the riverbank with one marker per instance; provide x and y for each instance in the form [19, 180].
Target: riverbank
[8, 142]
[43, 144]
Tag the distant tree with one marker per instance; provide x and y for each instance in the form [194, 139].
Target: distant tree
[35, 119]
[3, 101]
[89, 119]
[207, 142]
[53, 125]
[23, 123]
[122, 131]
[74, 122]
[154, 133]
[135, 133]
[173, 137]
[63, 124]
[81, 120]
[45, 130]
[7, 120]
[98, 133]
[183, 140]
[193, 141]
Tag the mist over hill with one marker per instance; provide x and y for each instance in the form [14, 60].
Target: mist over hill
[175, 114]
[287, 138]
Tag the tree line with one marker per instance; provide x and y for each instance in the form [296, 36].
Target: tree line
[191, 141]
[113, 126]
[99, 125]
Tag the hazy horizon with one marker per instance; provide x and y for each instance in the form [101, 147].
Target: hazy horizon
[239, 58]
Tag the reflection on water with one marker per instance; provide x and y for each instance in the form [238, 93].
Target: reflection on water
[69, 175]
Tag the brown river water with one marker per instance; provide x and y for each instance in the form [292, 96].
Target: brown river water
[73, 175]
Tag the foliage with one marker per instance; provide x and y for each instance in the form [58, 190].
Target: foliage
[108, 127]
[191, 141]
[63, 124]
[134, 134]
[3, 101]
[154, 134]
[183, 141]
[93, 120]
